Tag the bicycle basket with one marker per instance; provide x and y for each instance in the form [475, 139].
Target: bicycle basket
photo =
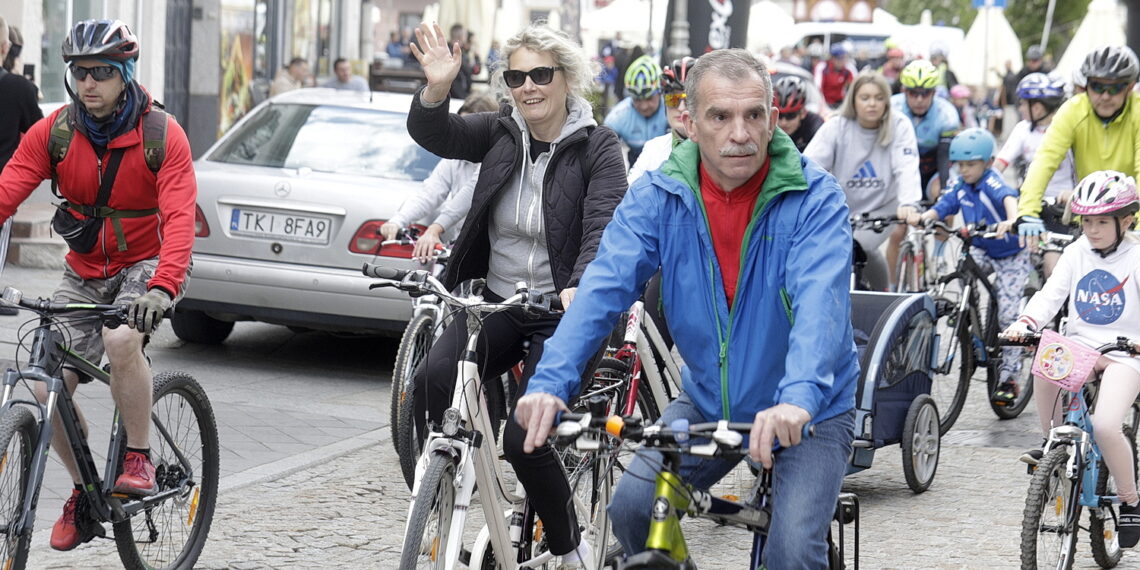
[1063, 361]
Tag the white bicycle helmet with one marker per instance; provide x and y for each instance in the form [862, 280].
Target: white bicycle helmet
[1106, 193]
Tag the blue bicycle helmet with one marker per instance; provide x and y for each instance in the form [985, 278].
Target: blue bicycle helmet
[839, 49]
[1050, 91]
[972, 144]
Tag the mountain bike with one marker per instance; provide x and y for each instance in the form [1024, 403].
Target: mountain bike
[665, 546]
[457, 461]
[967, 332]
[164, 530]
[1072, 475]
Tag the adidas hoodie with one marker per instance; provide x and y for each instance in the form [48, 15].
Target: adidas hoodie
[872, 176]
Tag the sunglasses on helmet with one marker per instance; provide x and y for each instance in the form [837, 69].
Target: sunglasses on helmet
[1110, 88]
[674, 100]
[539, 75]
[101, 73]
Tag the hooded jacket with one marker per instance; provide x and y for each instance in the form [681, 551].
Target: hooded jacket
[788, 336]
[169, 235]
[582, 181]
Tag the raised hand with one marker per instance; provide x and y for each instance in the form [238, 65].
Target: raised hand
[439, 63]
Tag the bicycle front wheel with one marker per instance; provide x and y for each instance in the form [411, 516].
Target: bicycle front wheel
[908, 276]
[1052, 511]
[427, 535]
[17, 435]
[1103, 533]
[1023, 381]
[414, 346]
[951, 380]
[172, 532]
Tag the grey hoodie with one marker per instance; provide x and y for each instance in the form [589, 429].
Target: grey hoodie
[517, 230]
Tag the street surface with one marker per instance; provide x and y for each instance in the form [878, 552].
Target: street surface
[310, 479]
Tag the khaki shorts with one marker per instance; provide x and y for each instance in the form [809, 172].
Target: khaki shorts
[85, 334]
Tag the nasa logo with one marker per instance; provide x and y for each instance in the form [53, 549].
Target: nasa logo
[1099, 297]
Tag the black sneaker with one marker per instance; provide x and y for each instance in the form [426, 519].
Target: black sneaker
[1032, 457]
[1005, 394]
[1128, 526]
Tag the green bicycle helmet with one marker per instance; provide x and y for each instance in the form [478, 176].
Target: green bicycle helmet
[919, 74]
[643, 78]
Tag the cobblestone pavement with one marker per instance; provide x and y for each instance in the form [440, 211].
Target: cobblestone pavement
[349, 512]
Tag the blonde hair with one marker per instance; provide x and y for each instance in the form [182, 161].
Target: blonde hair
[886, 134]
[577, 69]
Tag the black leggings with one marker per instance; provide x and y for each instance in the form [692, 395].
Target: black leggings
[507, 337]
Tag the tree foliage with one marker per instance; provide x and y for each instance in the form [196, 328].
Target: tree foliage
[1027, 17]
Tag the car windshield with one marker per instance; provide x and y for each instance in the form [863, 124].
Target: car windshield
[344, 140]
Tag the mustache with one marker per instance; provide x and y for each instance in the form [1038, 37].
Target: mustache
[739, 149]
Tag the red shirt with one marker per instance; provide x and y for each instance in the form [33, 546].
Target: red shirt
[729, 214]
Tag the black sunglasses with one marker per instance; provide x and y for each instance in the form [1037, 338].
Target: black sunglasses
[919, 92]
[101, 73]
[1110, 88]
[539, 75]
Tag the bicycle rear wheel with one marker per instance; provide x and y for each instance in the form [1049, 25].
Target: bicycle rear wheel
[949, 388]
[17, 435]
[1052, 511]
[427, 535]
[414, 346]
[1103, 535]
[171, 533]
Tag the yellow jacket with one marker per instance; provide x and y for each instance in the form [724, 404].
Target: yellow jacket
[1096, 146]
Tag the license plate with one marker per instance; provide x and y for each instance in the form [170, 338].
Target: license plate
[291, 227]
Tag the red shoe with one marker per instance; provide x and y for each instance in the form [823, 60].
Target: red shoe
[66, 534]
[137, 477]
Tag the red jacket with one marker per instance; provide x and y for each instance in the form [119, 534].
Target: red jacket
[168, 235]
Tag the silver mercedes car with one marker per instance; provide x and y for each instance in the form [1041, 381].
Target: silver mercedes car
[289, 203]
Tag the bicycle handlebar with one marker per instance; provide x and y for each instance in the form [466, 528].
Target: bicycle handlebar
[113, 315]
[865, 221]
[1121, 344]
[726, 438]
[967, 232]
[420, 282]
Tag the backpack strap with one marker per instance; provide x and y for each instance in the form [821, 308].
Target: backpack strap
[154, 137]
[58, 143]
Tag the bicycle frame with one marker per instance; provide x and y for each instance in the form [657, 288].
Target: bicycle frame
[643, 338]
[969, 273]
[49, 352]
[1077, 431]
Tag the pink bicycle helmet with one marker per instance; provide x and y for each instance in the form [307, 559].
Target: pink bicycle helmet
[959, 91]
[1105, 192]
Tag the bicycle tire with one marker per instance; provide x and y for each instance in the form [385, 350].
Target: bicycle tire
[1054, 497]
[906, 270]
[949, 390]
[1107, 553]
[1024, 379]
[186, 414]
[414, 346]
[17, 435]
[435, 500]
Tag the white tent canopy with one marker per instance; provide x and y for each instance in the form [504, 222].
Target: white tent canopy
[989, 44]
[1103, 25]
[769, 26]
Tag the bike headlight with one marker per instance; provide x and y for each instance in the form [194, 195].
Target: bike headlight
[450, 422]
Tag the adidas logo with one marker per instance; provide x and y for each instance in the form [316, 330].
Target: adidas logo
[866, 177]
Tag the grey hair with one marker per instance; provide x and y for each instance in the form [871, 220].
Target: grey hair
[3, 32]
[886, 134]
[577, 69]
[737, 64]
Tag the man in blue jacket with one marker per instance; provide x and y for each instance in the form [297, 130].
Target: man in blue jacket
[753, 243]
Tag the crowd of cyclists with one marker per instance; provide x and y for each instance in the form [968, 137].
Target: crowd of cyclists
[729, 184]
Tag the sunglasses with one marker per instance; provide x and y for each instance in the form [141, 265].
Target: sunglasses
[539, 75]
[101, 73]
[674, 100]
[1110, 88]
[920, 93]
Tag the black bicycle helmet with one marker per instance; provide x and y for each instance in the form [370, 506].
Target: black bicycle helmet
[789, 94]
[103, 39]
[673, 77]
[1111, 62]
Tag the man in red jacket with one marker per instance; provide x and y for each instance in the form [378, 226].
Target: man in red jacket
[132, 211]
